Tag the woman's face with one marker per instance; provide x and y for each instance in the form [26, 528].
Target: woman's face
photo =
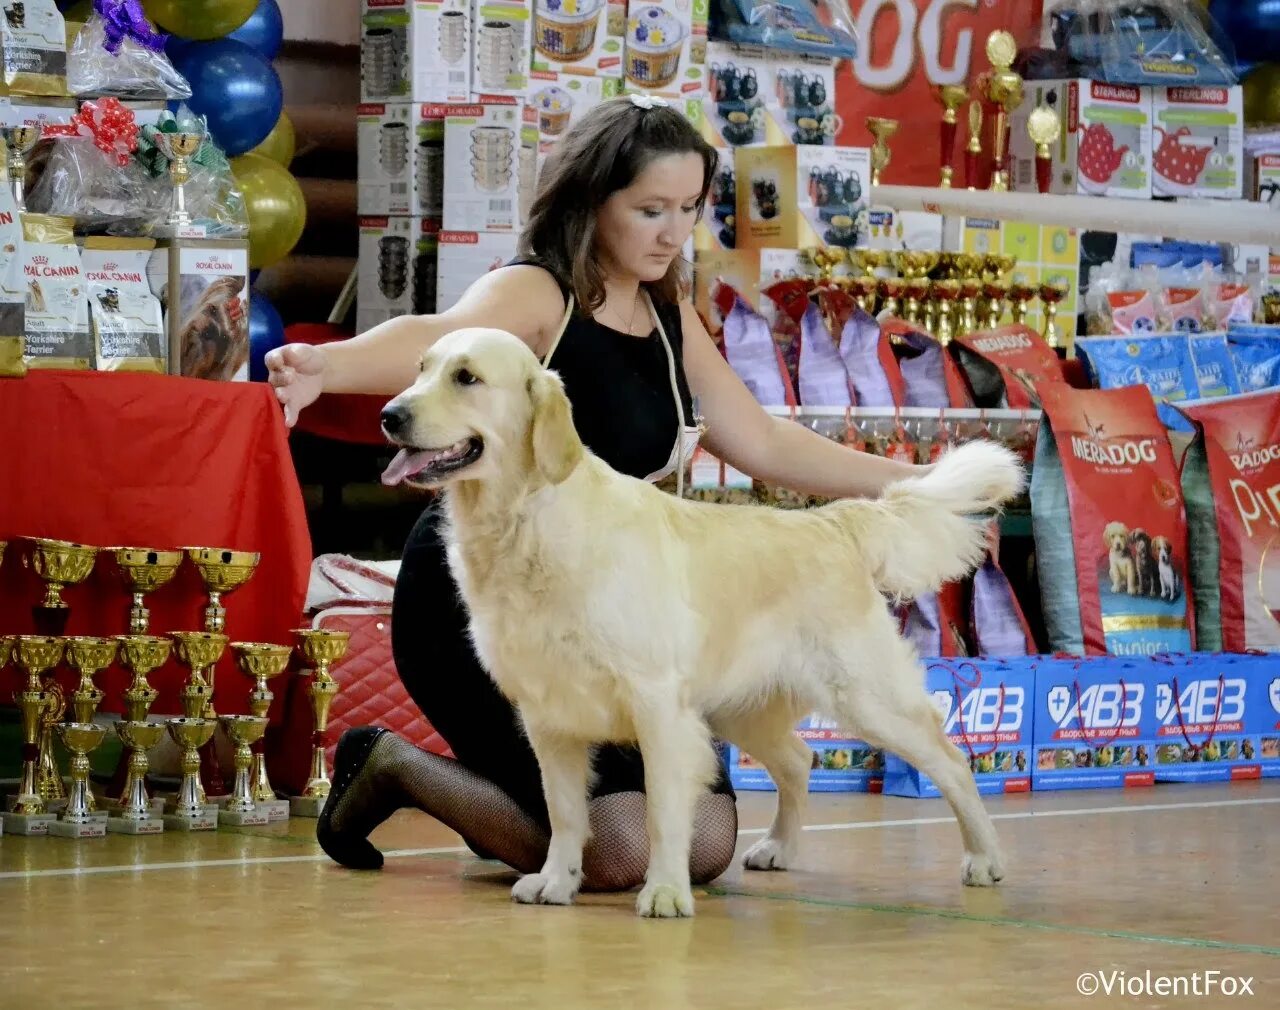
[641, 229]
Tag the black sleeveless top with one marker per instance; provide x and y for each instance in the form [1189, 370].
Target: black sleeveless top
[620, 388]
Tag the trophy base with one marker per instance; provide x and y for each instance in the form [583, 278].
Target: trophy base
[27, 824]
[112, 808]
[149, 826]
[307, 806]
[275, 810]
[203, 821]
[70, 829]
[235, 818]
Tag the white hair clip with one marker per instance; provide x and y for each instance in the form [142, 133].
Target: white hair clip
[647, 101]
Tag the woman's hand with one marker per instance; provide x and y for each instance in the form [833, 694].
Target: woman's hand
[296, 371]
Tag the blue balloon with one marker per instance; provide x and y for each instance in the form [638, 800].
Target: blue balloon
[266, 332]
[1253, 26]
[264, 31]
[235, 88]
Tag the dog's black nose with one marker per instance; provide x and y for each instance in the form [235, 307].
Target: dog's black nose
[394, 419]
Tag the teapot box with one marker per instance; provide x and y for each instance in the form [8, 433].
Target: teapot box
[1105, 148]
[1198, 142]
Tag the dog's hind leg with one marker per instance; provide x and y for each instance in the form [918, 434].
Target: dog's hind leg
[565, 764]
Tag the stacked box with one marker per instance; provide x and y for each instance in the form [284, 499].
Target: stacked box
[481, 167]
[666, 48]
[502, 49]
[416, 50]
[397, 269]
[465, 256]
[1198, 142]
[579, 36]
[401, 153]
[841, 763]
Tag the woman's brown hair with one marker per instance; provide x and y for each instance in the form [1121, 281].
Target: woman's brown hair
[603, 153]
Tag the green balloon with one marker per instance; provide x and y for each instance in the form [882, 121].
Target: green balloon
[199, 19]
[276, 207]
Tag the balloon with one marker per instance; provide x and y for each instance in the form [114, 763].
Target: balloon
[280, 143]
[266, 332]
[264, 31]
[78, 13]
[1262, 96]
[276, 207]
[1252, 25]
[199, 19]
[235, 88]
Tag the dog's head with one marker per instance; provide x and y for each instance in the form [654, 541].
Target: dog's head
[1163, 549]
[1141, 544]
[482, 407]
[1116, 537]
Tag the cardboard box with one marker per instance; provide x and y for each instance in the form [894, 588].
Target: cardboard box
[397, 269]
[466, 256]
[759, 98]
[556, 102]
[801, 197]
[579, 36]
[416, 50]
[666, 48]
[1105, 146]
[841, 763]
[401, 159]
[1262, 180]
[203, 287]
[482, 167]
[1198, 142]
[23, 110]
[501, 56]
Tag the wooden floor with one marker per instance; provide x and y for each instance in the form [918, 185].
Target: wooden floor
[1176, 879]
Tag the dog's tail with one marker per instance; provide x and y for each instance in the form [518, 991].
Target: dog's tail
[929, 530]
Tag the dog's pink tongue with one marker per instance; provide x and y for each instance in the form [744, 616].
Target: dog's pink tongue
[406, 463]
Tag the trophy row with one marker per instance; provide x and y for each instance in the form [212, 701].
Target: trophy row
[44, 805]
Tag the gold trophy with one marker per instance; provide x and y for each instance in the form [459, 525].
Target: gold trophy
[1052, 294]
[35, 654]
[997, 294]
[321, 649]
[240, 809]
[947, 293]
[973, 149]
[89, 657]
[200, 651]
[952, 97]
[866, 291]
[1021, 293]
[136, 814]
[60, 563]
[1044, 128]
[881, 155]
[141, 655]
[189, 811]
[179, 148]
[1005, 91]
[21, 141]
[48, 775]
[263, 661]
[222, 570]
[145, 570]
[79, 819]
[891, 291]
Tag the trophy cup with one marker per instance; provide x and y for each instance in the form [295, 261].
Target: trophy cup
[20, 141]
[135, 814]
[882, 130]
[179, 148]
[60, 563]
[952, 97]
[189, 811]
[145, 570]
[1021, 293]
[1044, 127]
[997, 292]
[947, 293]
[891, 291]
[35, 654]
[240, 810]
[48, 776]
[1005, 91]
[321, 649]
[866, 291]
[89, 657]
[78, 820]
[140, 655]
[222, 570]
[973, 150]
[1052, 294]
[200, 651]
[262, 662]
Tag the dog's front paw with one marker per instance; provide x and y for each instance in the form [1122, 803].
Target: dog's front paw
[981, 870]
[665, 901]
[544, 889]
[768, 854]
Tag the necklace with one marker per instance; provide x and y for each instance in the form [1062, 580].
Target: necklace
[635, 308]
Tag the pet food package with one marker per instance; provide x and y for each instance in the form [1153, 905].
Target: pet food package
[401, 153]
[1215, 371]
[997, 624]
[841, 763]
[1198, 142]
[124, 315]
[1095, 723]
[934, 622]
[57, 313]
[34, 36]
[1228, 477]
[416, 50]
[665, 50]
[1255, 351]
[482, 145]
[501, 51]
[398, 269]
[801, 197]
[21, 110]
[1163, 364]
[1109, 525]
[13, 292]
[930, 376]
[1217, 718]
[203, 287]
[579, 36]
[986, 711]
[464, 256]
[754, 356]
[1005, 367]
[1105, 146]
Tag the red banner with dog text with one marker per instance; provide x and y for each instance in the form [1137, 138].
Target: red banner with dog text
[906, 50]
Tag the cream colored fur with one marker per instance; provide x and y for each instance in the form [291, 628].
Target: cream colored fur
[608, 610]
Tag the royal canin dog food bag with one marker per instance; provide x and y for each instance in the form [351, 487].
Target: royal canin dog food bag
[1109, 525]
[1231, 483]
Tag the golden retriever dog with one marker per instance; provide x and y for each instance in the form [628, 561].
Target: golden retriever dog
[610, 611]
[1124, 573]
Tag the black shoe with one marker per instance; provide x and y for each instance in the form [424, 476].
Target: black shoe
[351, 847]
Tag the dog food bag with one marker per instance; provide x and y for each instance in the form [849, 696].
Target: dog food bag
[34, 37]
[1215, 370]
[930, 376]
[997, 624]
[126, 319]
[1005, 366]
[1256, 353]
[869, 358]
[1162, 364]
[203, 287]
[822, 378]
[13, 298]
[1228, 476]
[933, 622]
[1109, 525]
[840, 764]
[57, 312]
[750, 350]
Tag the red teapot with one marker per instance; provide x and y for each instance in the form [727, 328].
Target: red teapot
[1179, 162]
[1100, 158]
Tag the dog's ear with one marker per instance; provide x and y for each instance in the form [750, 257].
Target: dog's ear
[557, 449]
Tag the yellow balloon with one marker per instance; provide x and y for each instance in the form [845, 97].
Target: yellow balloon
[276, 207]
[199, 19]
[79, 13]
[281, 142]
[1262, 96]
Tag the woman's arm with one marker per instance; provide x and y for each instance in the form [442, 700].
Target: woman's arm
[772, 449]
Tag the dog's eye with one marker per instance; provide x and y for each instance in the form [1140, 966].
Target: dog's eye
[463, 377]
